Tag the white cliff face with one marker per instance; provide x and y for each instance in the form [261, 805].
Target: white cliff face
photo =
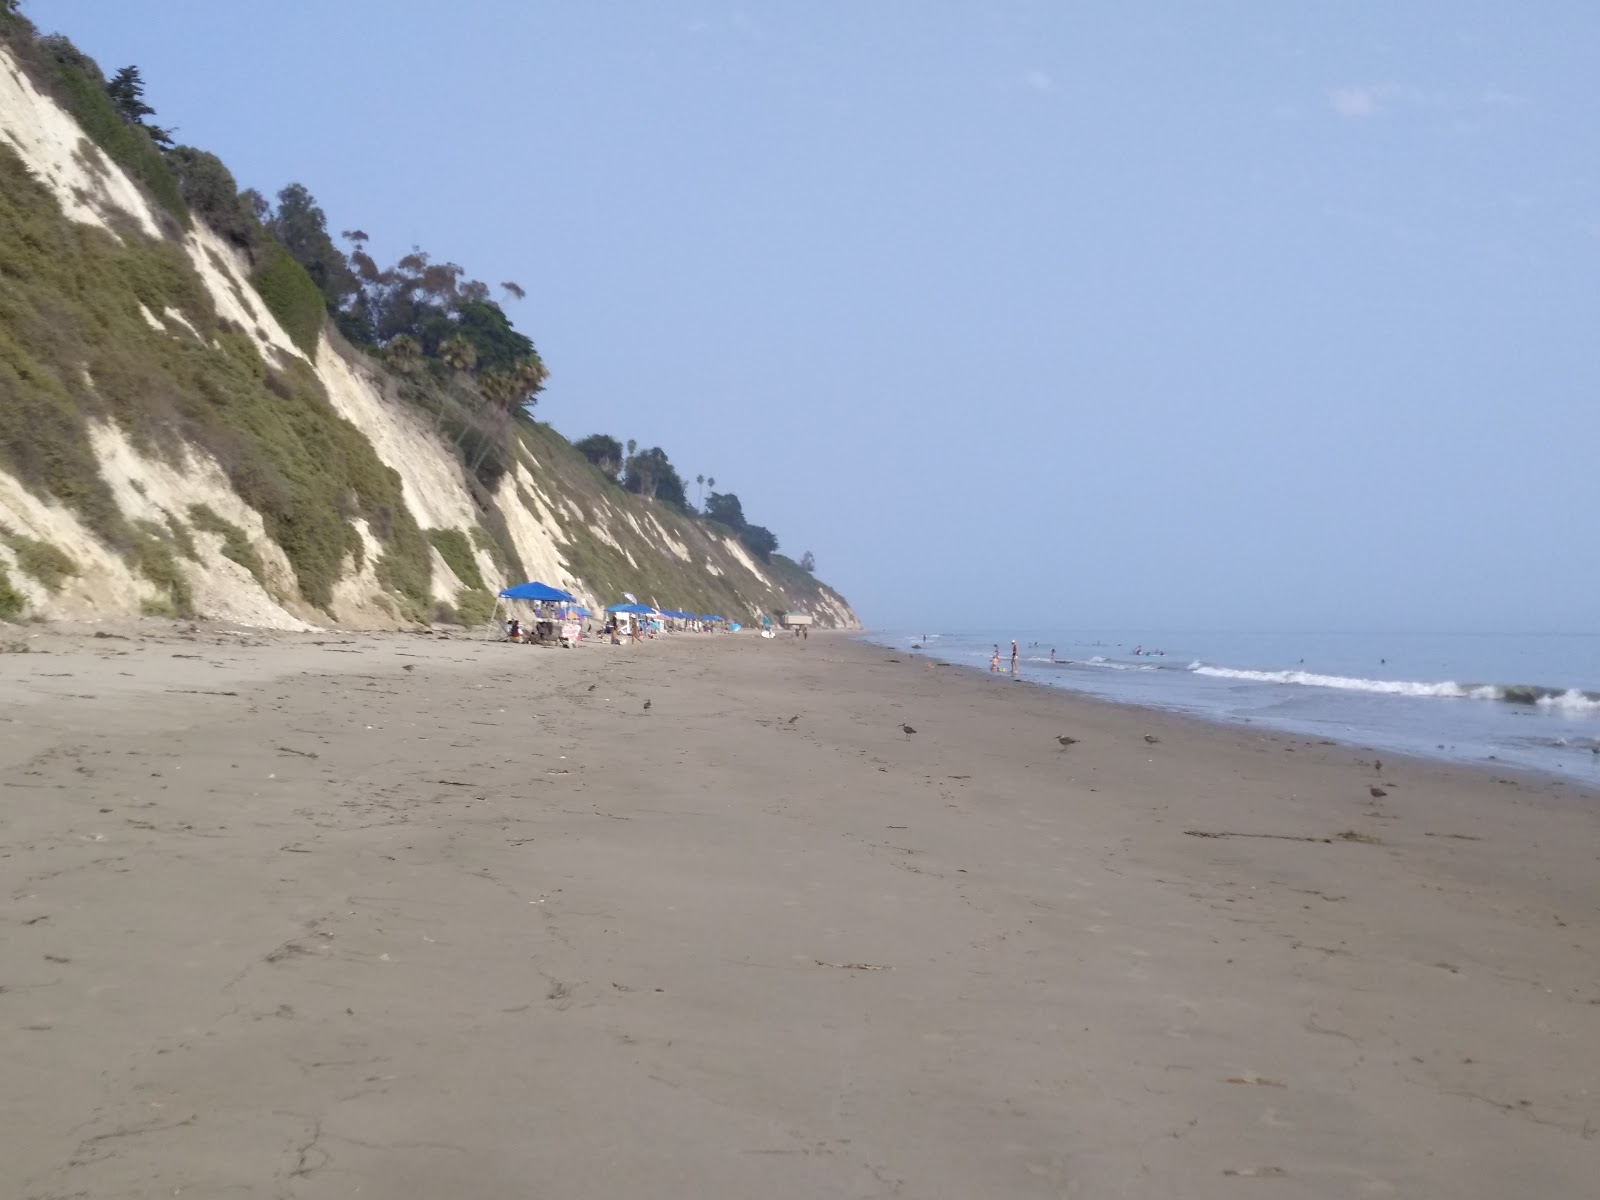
[88, 184]
[93, 190]
[537, 518]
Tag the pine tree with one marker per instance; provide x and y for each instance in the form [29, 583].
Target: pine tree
[126, 90]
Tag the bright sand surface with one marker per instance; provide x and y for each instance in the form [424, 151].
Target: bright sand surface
[407, 917]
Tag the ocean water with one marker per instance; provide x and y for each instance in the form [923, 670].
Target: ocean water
[1525, 700]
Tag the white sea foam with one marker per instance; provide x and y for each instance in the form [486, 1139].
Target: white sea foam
[1571, 700]
[1103, 664]
[1388, 687]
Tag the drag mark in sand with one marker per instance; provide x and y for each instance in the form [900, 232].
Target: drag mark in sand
[1348, 835]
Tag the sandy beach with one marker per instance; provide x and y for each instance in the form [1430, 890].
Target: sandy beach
[410, 916]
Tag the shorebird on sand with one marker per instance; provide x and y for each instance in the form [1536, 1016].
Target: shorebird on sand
[1377, 793]
[1066, 741]
[908, 731]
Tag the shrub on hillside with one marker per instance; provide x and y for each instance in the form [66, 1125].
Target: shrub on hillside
[290, 296]
[11, 602]
[209, 189]
[456, 551]
[235, 542]
[474, 606]
[48, 564]
[153, 558]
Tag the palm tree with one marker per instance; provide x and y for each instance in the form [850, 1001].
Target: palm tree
[529, 376]
[701, 480]
[404, 351]
[458, 353]
[711, 483]
[501, 390]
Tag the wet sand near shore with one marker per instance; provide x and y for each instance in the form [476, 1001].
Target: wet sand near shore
[407, 916]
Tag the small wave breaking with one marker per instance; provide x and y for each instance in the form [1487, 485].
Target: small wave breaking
[1098, 661]
[1569, 700]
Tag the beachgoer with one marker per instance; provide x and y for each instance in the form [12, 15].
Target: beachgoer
[514, 631]
[1052, 654]
[1013, 658]
[994, 662]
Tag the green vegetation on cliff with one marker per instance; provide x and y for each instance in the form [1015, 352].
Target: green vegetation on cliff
[61, 70]
[235, 543]
[76, 345]
[290, 296]
[618, 543]
[49, 565]
[11, 602]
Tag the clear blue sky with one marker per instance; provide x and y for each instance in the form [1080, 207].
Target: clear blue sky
[1224, 315]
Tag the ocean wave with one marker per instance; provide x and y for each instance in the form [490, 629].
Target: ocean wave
[1098, 662]
[1569, 700]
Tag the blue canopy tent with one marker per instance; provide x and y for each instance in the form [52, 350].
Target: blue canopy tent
[631, 609]
[538, 592]
[533, 592]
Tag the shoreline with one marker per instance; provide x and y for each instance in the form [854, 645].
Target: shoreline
[424, 915]
[1490, 763]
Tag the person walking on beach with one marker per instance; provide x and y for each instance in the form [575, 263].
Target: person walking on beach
[1013, 658]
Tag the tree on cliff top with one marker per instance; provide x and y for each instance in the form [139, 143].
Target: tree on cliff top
[725, 509]
[126, 90]
[651, 474]
[760, 541]
[301, 228]
[209, 190]
[604, 451]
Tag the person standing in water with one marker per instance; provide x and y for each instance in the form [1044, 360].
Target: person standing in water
[1013, 658]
